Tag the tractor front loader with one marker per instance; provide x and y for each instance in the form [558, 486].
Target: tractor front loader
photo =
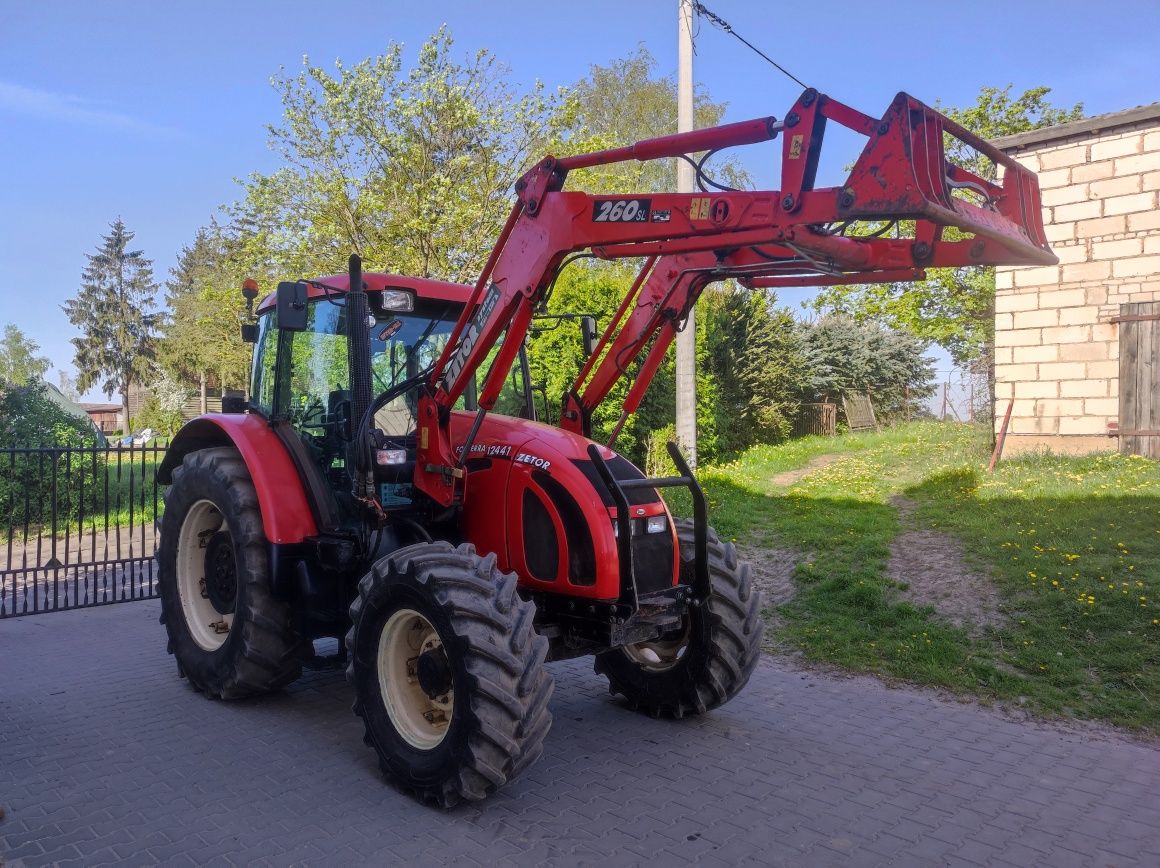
[387, 482]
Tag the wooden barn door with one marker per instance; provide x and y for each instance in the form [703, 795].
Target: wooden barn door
[1140, 378]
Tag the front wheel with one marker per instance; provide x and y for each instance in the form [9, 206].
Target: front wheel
[448, 672]
[708, 659]
[232, 638]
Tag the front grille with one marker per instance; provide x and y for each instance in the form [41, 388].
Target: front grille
[581, 553]
[652, 556]
[541, 548]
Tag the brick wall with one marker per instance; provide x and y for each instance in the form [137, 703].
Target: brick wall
[1056, 350]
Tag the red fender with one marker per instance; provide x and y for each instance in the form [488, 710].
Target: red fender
[286, 515]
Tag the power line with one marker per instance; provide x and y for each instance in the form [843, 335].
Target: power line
[724, 25]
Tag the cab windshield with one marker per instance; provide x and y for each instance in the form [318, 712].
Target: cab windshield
[403, 344]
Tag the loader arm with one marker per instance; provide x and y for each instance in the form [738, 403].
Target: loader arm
[798, 235]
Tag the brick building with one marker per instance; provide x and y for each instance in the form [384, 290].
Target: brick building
[1056, 344]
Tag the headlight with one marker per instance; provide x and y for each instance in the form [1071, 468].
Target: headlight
[391, 456]
[397, 299]
[656, 524]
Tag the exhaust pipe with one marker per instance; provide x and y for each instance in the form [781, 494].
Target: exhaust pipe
[358, 358]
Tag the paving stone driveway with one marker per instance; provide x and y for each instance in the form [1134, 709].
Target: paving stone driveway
[105, 756]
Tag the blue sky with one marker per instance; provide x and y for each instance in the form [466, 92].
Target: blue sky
[149, 111]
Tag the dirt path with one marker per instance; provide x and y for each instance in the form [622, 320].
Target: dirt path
[789, 477]
[772, 567]
[772, 571]
[932, 567]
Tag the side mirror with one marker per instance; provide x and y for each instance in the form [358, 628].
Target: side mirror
[250, 332]
[292, 306]
[588, 335]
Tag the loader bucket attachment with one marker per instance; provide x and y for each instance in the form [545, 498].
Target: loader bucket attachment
[903, 172]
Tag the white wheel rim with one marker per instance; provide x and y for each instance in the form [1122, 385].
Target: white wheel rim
[208, 627]
[660, 654]
[420, 720]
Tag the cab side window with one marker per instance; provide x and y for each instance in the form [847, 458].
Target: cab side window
[265, 356]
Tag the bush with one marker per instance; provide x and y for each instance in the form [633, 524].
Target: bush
[29, 418]
[754, 354]
[154, 415]
[658, 462]
[749, 368]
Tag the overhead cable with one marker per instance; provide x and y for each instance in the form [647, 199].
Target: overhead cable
[724, 25]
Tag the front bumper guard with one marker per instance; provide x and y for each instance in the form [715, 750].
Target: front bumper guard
[629, 604]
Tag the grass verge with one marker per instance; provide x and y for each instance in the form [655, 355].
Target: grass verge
[1072, 546]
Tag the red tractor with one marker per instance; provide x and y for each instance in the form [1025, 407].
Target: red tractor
[388, 480]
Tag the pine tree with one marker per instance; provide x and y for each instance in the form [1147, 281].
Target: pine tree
[114, 311]
[201, 342]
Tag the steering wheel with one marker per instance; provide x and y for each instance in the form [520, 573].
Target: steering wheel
[313, 415]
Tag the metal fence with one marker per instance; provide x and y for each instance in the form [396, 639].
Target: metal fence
[77, 527]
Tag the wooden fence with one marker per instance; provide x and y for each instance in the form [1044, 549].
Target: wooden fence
[817, 419]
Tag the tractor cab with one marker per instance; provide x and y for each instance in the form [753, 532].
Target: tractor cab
[301, 379]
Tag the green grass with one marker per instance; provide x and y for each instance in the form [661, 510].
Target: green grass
[1072, 546]
[111, 490]
[132, 492]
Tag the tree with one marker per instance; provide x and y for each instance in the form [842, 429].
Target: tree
[162, 409]
[613, 105]
[201, 340]
[754, 353]
[625, 102]
[19, 362]
[995, 114]
[114, 311]
[955, 307]
[411, 170]
[845, 356]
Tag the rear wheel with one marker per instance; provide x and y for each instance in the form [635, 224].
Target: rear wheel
[708, 659]
[448, 672]
[230, 636]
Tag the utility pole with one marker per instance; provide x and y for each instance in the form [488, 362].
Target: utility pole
[686, 422]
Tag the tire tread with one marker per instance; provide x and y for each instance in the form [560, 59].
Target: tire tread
[503, 655]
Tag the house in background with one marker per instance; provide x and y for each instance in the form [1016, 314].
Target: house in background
[107, 417]
[191, 409]
[1075, 343]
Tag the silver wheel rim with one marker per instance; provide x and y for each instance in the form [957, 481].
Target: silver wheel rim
[422, 721]
[660, 654]
[208, 627]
